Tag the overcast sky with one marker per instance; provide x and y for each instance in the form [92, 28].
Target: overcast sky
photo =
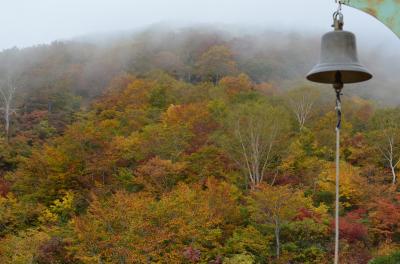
[27, 22]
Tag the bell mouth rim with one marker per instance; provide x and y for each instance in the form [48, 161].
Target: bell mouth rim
[352, 73]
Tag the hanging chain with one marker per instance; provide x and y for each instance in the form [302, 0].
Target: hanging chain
[339, 4]
[338, 86]
[338, 108]
[338, 19]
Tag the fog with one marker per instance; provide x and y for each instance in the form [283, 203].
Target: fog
[107, 37]
[26, 22]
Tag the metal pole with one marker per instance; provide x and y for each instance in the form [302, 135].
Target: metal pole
[338, 89]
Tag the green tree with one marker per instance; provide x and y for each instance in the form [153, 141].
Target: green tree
[250, 242]
[390, 259]
[276, 206]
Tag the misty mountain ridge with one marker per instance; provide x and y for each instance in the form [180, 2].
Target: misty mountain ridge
[278, 57]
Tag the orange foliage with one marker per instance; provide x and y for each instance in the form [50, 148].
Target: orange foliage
[159, 176]
[234, 85]
[139, 229]
[195, 117]
[267, 89]
[384, 215]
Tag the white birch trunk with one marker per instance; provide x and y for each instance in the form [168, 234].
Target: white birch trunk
[7, 91]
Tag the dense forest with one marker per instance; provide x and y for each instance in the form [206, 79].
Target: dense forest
[193, 146]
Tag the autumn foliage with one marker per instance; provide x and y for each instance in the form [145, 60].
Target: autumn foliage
[193, 153]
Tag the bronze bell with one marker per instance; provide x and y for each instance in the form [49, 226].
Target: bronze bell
[339, 60]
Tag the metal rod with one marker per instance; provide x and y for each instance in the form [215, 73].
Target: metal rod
[338, 88]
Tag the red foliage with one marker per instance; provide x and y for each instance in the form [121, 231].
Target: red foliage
[53, 251]
[29, 120]
[356, 215]
[286, 178]
[350, 227]
[354, 253]
[385, 216]
[218, 260]
[4, 187]
[358, 140]
[305, 213]
[192, 254]
[351, 231]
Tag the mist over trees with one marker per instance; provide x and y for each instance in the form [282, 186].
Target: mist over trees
[192, 54]
[193, 145]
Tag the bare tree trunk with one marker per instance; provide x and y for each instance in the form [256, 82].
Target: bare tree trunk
[389, 153]
[7, 122]
[301, 107]
[394, 177]
[7, 92]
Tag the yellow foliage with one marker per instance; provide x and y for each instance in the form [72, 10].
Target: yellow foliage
[48, 217]
[188, 115]
[59, 210]
[21, 248]
[352, 185]
[386, 248]
[139, 228]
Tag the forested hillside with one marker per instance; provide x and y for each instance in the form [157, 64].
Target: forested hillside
[192, 146]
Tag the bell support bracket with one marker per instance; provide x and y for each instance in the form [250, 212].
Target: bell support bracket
[386, 11]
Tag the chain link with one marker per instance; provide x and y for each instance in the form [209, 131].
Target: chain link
[339, 5]
[338, 19]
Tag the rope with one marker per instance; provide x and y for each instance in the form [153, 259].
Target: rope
[338, 126]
